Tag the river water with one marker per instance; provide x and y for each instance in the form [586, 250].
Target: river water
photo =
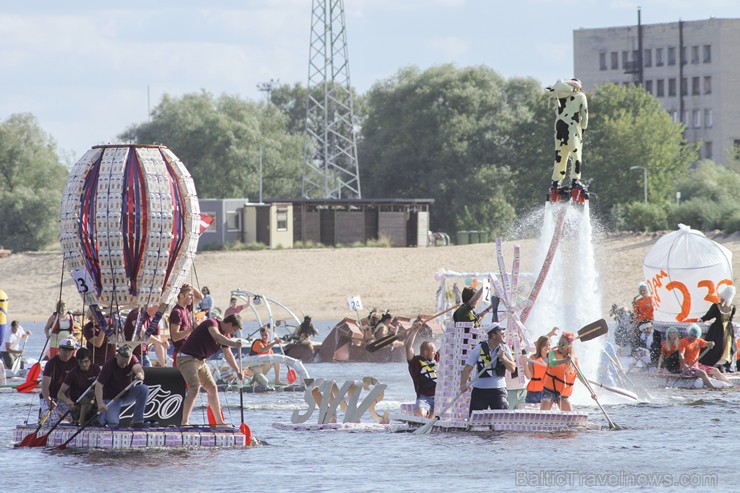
[680, 440]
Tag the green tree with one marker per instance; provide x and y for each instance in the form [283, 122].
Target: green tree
[221, 140]
[31, 182]
[444, 133]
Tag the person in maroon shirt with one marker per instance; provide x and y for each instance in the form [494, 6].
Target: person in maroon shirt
[54, 372]
[114, 377]
[140, 350]
[181, 318]
[422, 370]
[76, 383]
[205, 341]
[97, 341]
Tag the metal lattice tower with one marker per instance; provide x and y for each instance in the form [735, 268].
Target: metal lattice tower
[330, 167]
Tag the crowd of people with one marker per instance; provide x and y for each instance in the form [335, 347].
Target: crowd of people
[709, 358]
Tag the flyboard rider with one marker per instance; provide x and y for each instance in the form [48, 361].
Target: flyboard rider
[571, 119]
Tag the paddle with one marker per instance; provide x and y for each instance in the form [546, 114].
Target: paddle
[17, 362]
[243, 428]
[583, 379]
[593, 330]
[32, 377]
[383, 342]
[212, 417]
[291, 376]
[41, 441]
[616, 390]
[31, 437]
[89, 421]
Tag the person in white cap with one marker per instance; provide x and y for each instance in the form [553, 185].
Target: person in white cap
[54, 372]
[571, 119]
[491, 358]
[721, 331]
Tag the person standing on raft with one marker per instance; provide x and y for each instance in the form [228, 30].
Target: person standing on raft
[422, 368]
[493, 358]
[560, 375]
[721, 332]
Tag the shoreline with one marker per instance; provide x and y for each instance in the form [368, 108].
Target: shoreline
[318, 281]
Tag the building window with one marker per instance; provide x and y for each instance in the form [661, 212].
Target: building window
[696, 117]
[708, 118]
[695, 88]
[615, 60]
[674, 116]
[233, 221]
[660, 90]
[649, 86]
[658, 57]
[707, 84]
[602, 61]
[672, 87]
[694, 54]
[282, 218]
[685, 86]
[671, 55]
[686, 118]
[647, 57]
[707, 53]
[708, 150]
[625, 59]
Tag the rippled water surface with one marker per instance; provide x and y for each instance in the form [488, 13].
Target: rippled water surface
[679, 437]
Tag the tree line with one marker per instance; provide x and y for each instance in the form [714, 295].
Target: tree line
[479, 144]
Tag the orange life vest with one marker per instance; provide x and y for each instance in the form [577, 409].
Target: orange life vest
[538, 375]
[560, 378]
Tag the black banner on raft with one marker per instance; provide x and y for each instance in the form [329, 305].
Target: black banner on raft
[166, 396]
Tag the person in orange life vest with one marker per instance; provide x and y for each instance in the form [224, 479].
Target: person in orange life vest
[721, 331]
[262, 346]
[492, 357]
[536, 372]
[60, 325]
[688, 355]
[423, 371]
[643, 309]
[669, 352]
[560, 375]
[181, 318]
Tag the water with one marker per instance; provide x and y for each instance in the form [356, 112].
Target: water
[680, 432]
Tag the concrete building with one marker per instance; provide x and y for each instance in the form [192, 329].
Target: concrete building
[692, 67]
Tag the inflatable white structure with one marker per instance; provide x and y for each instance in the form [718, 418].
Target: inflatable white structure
[684, 271]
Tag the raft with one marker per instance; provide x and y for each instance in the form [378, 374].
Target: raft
[136, 438]
[522, 420]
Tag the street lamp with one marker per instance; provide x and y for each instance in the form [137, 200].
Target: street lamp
[644, 178]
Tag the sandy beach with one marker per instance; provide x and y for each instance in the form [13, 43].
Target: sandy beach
[318, 281]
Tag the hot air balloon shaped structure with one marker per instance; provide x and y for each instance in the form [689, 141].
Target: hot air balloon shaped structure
[684, 271]
[129, 226]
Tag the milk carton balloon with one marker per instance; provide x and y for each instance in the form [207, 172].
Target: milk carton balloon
[684, 271]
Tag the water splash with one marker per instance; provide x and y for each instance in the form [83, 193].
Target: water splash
[571, 296]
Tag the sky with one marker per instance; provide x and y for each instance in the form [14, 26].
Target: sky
[88, 70]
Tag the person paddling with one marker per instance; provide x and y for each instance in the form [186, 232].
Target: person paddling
[422, 368]
[560, 375]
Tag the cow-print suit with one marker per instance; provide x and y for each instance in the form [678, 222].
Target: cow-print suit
[571, 120]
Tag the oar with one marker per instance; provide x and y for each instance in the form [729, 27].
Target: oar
[616, 390]
[31, 437]
[624, 376]
[593, 330]
[427, 428]
[32, 377]
[41, 441]
[583, 379]
[243, 428]
[89, 421]
[380, 343]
